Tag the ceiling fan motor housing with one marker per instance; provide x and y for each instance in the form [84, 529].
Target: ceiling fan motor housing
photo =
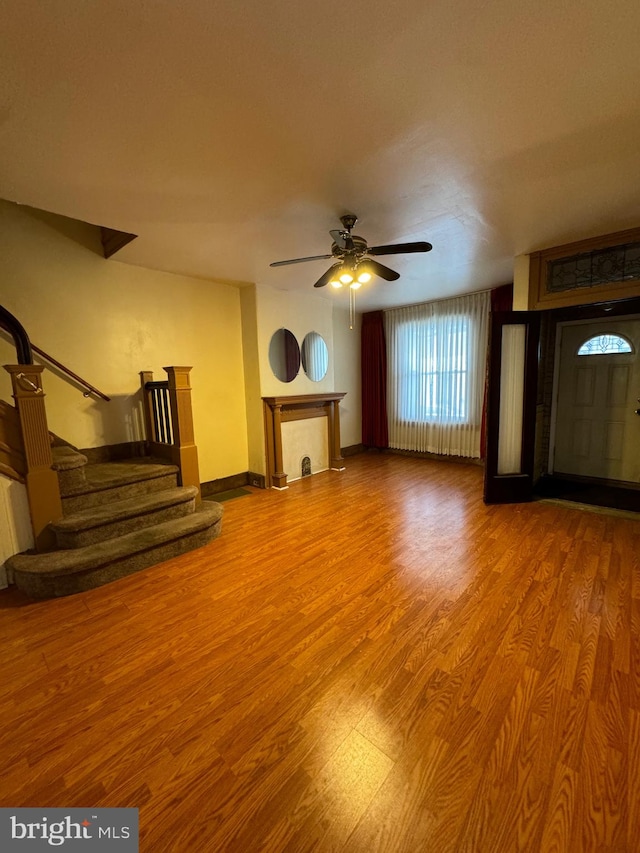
[350, 251]
[359, 248]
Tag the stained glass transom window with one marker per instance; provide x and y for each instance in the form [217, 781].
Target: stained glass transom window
[602, 266]
[604, 345]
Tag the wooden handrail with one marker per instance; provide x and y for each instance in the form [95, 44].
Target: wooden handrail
[24, 348]
[17, 331]
[91, 388]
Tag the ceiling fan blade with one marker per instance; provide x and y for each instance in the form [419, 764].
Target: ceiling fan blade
[382, 271]
[400, 248]
[301, 260]
[326, 277]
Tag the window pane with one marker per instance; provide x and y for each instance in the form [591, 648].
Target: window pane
[604, 344]
[434, 370]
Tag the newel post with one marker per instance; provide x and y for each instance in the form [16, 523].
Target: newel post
[184, 450]
[43, 490]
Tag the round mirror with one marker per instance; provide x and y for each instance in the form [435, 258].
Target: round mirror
[284, 355]
[315, 356]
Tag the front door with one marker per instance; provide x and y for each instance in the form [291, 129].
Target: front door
[597, 430]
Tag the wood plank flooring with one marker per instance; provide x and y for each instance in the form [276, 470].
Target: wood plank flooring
[372, 660]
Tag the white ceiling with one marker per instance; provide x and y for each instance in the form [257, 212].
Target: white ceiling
[229, 134]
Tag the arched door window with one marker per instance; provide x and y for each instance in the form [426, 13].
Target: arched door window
[605, 345]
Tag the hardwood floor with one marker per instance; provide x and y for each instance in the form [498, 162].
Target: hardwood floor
[369, 661]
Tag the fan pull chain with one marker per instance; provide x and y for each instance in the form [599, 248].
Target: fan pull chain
[352, 306]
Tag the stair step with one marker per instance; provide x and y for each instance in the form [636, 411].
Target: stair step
[66, 458]
[107, 521]
[107, 482]
[66, 572]
[70, 465]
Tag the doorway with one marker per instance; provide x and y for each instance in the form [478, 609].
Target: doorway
[590, 435]
[596, 431]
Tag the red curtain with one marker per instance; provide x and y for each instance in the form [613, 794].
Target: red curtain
[501, 300]
[374, 381]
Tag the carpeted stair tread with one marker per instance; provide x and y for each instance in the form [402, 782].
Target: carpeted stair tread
[66, 562]
[65, 572]
[109, 475]
[119, 510]
[65, 458]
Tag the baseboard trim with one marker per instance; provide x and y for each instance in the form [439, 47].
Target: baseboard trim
[353, 449]
[234, 481]
[438, 457]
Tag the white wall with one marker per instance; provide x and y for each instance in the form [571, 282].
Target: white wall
[107, 321]
[300, 313]
[15, 523]
[307, 437]
[346, 356]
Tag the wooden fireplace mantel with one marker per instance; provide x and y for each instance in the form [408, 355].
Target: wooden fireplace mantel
[295, 408]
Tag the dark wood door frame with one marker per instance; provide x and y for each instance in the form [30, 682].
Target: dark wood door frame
[518, 487]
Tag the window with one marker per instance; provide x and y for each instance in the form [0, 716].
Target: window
[433, 370]
[436, 358]
[604, 345]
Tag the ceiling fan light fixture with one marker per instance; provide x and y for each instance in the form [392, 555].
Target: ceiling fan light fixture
[354, 260]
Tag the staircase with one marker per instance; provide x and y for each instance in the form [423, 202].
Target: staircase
[118, 518]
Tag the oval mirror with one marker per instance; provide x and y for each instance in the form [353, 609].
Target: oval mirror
[315, 356]
[284, 355]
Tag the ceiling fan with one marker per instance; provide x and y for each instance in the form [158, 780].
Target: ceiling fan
[354, 265]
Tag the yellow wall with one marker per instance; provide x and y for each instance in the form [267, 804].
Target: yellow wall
[107, 321]
[521, 283]
[252, 385]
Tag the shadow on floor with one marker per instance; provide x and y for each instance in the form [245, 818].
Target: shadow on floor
[593, 494]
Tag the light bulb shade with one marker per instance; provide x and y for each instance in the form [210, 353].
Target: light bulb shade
[335, 282]
[355, 285]
[346, 278]
[363, 277]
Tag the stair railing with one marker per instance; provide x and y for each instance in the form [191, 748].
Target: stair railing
[169, 422]
[25, 436]
[20, 338]
[25, 350]
[91, 389]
